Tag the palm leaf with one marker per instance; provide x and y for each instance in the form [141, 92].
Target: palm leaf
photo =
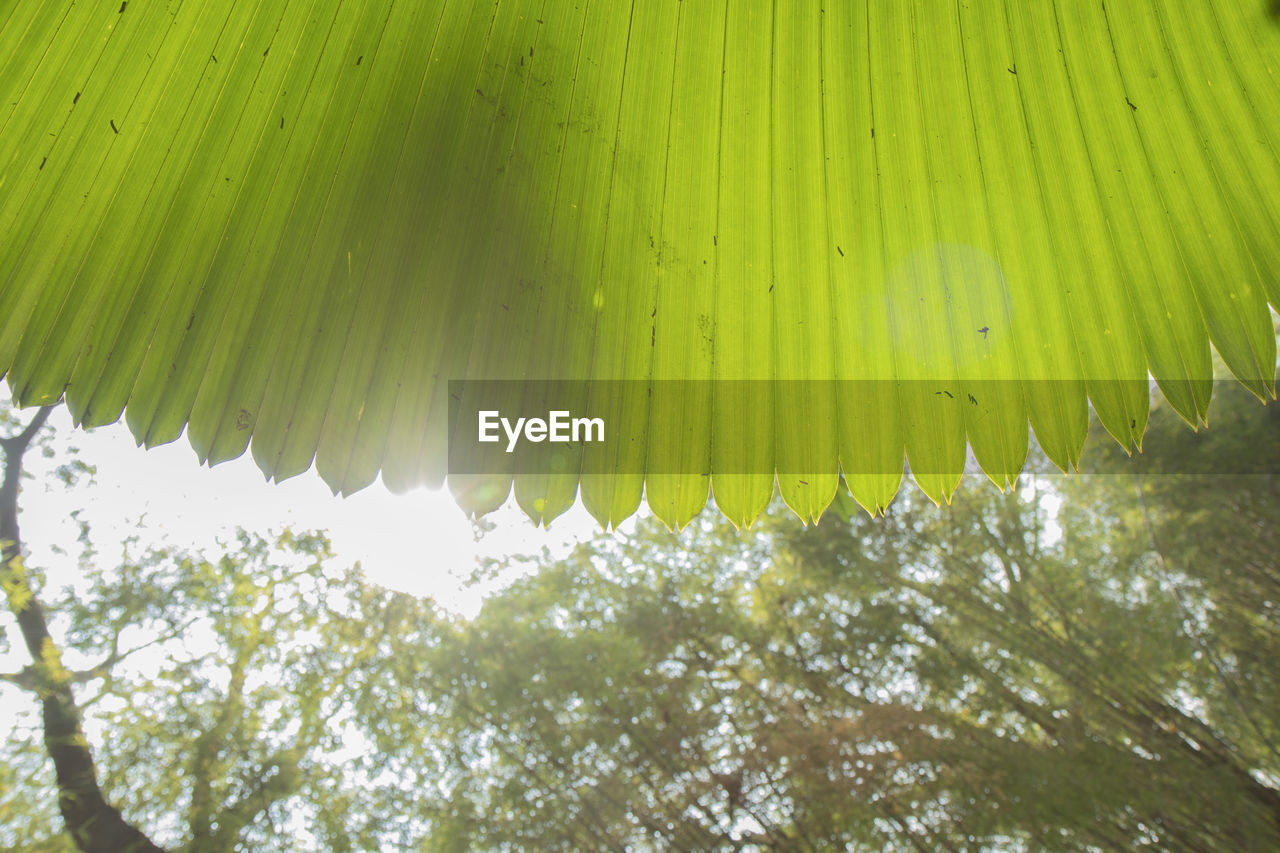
[289, 225]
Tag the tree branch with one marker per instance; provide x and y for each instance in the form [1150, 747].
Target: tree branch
[28, 678]
[94, 824]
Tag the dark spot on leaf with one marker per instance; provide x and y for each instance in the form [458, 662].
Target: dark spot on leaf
[715, 241]
[1013, 69]
[504, 307]
[243, 419]
[654, 313]
[76, 98]
[122, 5]
[841, 251]
[265, 52]
[973, 399]
[771, 288]
[940, 393]
[984, 331]
[42, 161]
[113, 126]
[1131, 104]
[282, 122]
[478, 92]
[803, 482]
[190, 320]
[531, 53]
[214, 58]
[359, 59]
[456, 397]
[1133, 423]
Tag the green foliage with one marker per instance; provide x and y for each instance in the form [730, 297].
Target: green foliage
[224, 692]
[992, 675]
[1084, 663]
[27, 822]
[289, 228]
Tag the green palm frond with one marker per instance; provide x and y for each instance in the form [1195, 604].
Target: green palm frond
[287, 226]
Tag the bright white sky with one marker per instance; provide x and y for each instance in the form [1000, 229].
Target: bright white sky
[419, 543]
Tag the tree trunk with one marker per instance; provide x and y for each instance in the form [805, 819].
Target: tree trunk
[94, 824]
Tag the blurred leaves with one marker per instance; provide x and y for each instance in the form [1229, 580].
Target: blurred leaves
[1084, 663]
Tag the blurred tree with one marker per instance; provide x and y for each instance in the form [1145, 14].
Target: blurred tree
[1085, 663]
[217, 706]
